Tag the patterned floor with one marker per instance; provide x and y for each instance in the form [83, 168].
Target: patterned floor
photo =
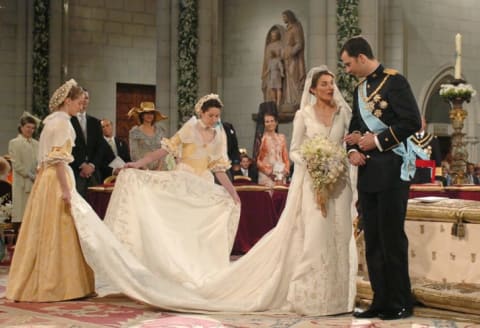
[119, 311]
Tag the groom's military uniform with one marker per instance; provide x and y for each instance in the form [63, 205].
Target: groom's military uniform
[383, 195]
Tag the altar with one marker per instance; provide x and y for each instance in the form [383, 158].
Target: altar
[467, 192]
[444, 253]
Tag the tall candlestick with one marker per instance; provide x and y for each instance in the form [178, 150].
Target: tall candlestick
[458, 62]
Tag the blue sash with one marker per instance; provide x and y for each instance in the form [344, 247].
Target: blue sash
[408, 153]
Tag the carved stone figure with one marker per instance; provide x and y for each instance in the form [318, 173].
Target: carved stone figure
[273, 49]
[294, 59]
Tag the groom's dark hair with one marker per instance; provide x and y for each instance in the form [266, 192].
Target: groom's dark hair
[357, 46]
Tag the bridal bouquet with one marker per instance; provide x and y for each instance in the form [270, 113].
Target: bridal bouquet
[326, 164]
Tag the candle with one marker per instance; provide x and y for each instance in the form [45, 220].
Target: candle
[458, 63]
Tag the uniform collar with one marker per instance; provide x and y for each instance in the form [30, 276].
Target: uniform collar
[376, 73]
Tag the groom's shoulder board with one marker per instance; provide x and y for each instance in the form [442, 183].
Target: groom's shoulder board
[390, 71]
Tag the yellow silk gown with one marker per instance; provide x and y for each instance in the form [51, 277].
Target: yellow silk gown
[48, 264]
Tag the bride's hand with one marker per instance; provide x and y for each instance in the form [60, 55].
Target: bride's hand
[236, 199]
[353, 138]
[133, 165]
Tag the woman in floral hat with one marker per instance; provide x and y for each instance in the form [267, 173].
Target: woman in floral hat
[147, 135]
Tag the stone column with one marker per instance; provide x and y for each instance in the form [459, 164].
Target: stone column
[166, 75]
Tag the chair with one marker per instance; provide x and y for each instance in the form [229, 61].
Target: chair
[428, 164]
[241, 178]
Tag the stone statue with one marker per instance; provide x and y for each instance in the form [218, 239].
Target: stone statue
[273, 66]
[294, 59]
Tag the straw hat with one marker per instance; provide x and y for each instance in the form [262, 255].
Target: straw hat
[146, 107]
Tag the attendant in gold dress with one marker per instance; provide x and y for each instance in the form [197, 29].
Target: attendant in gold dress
[48, 264]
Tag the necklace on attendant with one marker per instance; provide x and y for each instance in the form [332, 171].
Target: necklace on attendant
[206, 132]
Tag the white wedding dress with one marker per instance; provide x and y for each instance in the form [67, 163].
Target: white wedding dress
[167, 237]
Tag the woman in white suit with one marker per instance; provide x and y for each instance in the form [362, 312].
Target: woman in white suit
[23, 151]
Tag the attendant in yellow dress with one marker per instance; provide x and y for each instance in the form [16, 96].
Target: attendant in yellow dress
[48, 264]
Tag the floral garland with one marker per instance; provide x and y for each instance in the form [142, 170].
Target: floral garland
[187, 71]
[326, 164]
[450, 92]
[40, 93]
[347, 27]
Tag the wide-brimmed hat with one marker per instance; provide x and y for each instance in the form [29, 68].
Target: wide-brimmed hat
[146, 107]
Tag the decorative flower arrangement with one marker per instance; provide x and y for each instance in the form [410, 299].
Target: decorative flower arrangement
[5, 209]
[187, 70]
[347, 27]
[326, 164]
[451, 92]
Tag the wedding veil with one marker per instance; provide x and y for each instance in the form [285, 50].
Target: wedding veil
[309, 99]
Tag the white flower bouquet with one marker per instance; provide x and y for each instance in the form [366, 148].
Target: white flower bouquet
[5, 210]
[326, 163]
[451, 92]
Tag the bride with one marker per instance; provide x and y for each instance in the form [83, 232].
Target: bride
[169, 233]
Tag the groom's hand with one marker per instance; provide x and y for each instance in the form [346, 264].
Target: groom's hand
[367, 142]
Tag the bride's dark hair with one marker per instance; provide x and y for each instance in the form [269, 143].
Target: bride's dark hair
[317, 76]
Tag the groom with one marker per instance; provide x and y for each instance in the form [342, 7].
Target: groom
[384, 115]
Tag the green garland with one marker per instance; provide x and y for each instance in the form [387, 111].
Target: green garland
[187, 86]
[347, 27]
[40, 93]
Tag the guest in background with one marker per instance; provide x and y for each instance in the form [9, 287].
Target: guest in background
[232, 142]
[471, 177]
[446, 177]
[147, 135]
[23, 151]
[477, 171]
[247, 169]
[89, 150]
[431, 146]
[5, 186]
[268, 107]
[48, 263]
[117, 147]
[272, 162]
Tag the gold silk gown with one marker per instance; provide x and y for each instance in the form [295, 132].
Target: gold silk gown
[48, 264]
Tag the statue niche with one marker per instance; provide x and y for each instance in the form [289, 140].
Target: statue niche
[283, 71]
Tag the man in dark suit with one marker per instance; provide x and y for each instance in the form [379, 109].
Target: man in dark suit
[117, 148]
[89, 150]
[431, 146]
[246, 169]
[232, 142]
[384, 115]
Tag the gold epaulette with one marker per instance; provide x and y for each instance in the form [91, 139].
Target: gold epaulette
[360, 82]
[390, 71]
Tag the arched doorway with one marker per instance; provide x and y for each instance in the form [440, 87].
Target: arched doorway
[436, 111]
